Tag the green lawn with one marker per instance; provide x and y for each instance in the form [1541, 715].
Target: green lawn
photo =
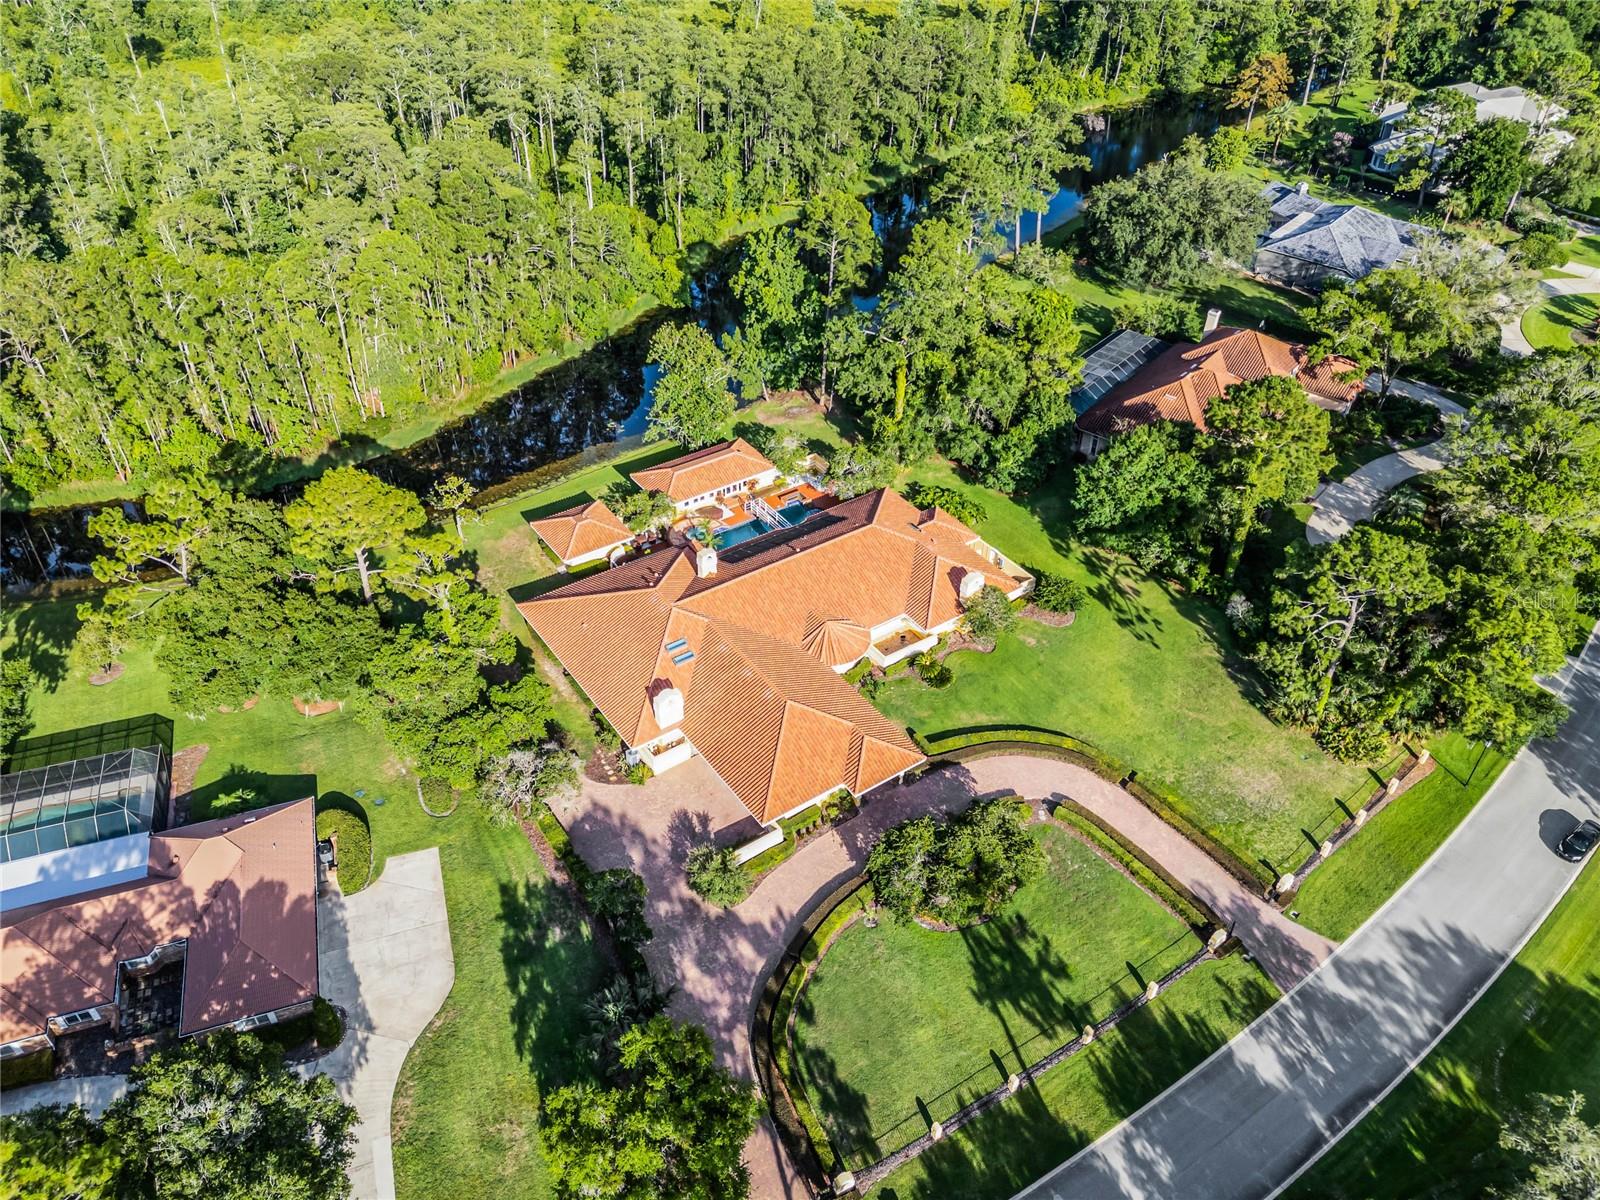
[1244, 302]
[1350, 886]
[1533, 1031]
[1552, 323]
[465, 1119]
[1148, 674]
[971, 1006]
[1043, 1125]
[1585, 250]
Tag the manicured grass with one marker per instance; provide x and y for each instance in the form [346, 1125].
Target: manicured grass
[1553, 323]
[1585, 250]
[1045, 1124]
[1244, 302]
[1148, 674]
[1436, 1134]
[900, 1023]
[1350, 886]
[466, 1112]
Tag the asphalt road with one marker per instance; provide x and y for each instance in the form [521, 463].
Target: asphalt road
[1245, 1122]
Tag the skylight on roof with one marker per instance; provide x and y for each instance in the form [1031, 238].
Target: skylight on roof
[679, 659]
[677, 644]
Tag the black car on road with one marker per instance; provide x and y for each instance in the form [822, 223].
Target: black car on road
[1580, 841]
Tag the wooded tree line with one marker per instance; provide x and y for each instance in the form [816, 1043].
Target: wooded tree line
[278, 224]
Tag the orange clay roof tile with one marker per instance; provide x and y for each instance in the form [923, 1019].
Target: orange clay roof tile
[702, 471]
[762, 702]
[581, 530]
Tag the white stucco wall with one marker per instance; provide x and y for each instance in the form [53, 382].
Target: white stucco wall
[76, 869]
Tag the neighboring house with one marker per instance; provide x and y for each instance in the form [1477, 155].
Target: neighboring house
[1388, 153]
[1180, 383]
[584, 534]
[1312, 241]
[738, 655]
[218, 929]
[706, 477]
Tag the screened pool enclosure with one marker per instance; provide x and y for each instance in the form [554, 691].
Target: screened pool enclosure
[84, 801]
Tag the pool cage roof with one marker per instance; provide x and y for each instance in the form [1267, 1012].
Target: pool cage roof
[1113, 360]
[83, 801]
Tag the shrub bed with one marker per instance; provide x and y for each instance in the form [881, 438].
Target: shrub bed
[352, 846]
[437, 796]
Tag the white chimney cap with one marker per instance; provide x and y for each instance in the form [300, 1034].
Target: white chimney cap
[705, 561]
[1303, 187]
[667, 708]
[1213, 319]
[971, 584]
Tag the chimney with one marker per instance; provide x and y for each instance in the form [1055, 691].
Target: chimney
[971, 584]
[705, 562]
[1302, 188]
[667, 708]
[1213, 319]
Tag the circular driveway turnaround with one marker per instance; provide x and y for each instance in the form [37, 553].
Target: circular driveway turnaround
[716, 960]
[1585, 282]
[1247, 1121]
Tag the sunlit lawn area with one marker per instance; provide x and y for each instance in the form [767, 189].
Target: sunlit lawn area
[495, 1041]
[1350, 886]
[900, 1020]
[1149, 675]
[1552, 323]
[1437, 1134]
[1043, 1125]
[1585, 250]
[1245, 302]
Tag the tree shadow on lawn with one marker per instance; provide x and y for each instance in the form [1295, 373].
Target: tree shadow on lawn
[240, 788]
[841, 1106]
[547, 951]
[1016, 968]
[42, 634]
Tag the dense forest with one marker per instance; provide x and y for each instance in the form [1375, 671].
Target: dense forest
[273, 223]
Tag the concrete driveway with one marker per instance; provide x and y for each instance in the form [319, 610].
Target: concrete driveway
[94, 1092]
[385, 958]
[1248, 1120]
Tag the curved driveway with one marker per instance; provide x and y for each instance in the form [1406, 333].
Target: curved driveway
[1248, 1120]
[716, 960]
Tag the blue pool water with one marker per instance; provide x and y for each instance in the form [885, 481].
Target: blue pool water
[794, 512]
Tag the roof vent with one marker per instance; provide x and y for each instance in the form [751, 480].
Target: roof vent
[667, 707]
[971, 584]
[705, 562]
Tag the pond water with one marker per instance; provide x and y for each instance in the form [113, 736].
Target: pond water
[604, 394]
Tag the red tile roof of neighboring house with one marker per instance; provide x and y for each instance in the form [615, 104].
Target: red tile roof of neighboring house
[241, 891]
[574, 532]
[719, 466]
[1180, 383]
[762, 702]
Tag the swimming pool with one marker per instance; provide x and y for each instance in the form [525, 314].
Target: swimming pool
[794, 512]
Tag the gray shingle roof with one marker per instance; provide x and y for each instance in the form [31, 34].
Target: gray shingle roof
[1342, 237]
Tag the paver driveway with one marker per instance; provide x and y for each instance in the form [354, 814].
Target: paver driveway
[384, 957]
[716, 959]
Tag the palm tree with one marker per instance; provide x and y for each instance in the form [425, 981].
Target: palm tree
[1278, 121]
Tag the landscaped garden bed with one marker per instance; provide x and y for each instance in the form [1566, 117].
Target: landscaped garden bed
[900, 1025]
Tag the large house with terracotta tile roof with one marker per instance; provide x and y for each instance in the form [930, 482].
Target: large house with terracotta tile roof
[737, 655]
[583, 534]
[1178, 383]
[705, 477]
[219, 929]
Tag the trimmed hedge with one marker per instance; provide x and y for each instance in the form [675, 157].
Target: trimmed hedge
[38, 1067]
[1146, 871]
[792, 827]
[853, 905]
[998, 739]
[560, 844]
[353, 847]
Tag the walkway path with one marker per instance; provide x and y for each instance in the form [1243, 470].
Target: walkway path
[717, 959]
[384, 957]
[94, 1092]
[1585, 281]
[1248, 1120]
[1338, 507]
